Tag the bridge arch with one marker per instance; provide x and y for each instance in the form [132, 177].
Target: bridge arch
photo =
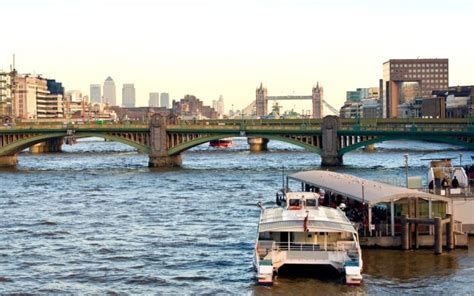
[19, 145]
[201, 140]
[141, 148]
[447, 140]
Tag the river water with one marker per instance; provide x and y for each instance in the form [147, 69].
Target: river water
[96, 219]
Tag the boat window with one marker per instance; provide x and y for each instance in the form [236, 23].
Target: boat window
[310, 202]
[294, 202]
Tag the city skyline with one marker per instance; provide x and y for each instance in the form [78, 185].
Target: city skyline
[211, 50]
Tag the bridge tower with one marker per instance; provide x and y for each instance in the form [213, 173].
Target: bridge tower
[261, 101]
[317, 100]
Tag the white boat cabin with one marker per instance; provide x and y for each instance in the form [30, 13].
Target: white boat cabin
[302, 233]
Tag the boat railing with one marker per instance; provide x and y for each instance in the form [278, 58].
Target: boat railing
[308, 247]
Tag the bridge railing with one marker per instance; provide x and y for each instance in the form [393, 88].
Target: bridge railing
[408, 125]
[61, 126]
[408, 128]
[263, 122]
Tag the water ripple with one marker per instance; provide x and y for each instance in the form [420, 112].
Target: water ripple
[96, 220]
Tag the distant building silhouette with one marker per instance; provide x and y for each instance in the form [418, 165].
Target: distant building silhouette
[95, 93]
[154, 99]
[165, 100]
[109, 92]
[128, 95]
[190, 106]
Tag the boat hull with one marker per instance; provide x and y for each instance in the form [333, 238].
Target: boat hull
[220, 143]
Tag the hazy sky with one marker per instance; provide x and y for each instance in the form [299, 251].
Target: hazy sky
[213, 47]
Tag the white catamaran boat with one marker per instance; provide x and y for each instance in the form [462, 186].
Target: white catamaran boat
[302, 233]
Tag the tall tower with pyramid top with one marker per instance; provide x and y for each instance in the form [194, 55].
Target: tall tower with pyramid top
[318, 95]
[261, 101]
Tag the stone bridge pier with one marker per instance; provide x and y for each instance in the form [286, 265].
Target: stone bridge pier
[258, 144]
[330, 141]
[50, 146]
[158, 156]
[8, 161]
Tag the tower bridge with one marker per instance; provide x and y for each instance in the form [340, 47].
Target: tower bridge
[317, 98]
[165, 137]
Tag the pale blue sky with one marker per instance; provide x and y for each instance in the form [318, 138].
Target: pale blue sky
[211, 47]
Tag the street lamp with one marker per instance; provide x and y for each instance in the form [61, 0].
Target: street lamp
[406, 169]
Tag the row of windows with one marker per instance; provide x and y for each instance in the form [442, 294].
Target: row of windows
[420, 65]
[427, 70]
[434, 81]
[424, 76]
[429, 87]
[420, 71]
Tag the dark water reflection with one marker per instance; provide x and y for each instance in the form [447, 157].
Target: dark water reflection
[95, 219]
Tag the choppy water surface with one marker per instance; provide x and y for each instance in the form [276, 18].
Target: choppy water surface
[95, 219]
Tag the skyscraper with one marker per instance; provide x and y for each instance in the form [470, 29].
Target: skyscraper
[165, 100]
[220, 105]
[154, 100]
[128, 95]
[109, 92]
[95, 93]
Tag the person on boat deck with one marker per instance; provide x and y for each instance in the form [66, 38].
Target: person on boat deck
[445, 184]
[455, 182]
[431, 186]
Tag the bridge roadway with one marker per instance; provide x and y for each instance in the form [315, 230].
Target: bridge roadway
[165, 137]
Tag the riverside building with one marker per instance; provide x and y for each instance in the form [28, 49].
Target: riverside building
[36, 98]
[5, 93]
[407, 79]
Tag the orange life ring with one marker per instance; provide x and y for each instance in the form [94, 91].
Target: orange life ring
[294, 207]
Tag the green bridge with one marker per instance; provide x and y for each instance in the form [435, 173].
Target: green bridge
[165, 137]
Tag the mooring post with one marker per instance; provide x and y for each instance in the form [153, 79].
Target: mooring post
[405, 233]
[438, 236]
[450, 232]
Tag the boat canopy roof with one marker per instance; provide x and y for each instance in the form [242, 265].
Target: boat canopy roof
[321, 219]
[350, 186]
